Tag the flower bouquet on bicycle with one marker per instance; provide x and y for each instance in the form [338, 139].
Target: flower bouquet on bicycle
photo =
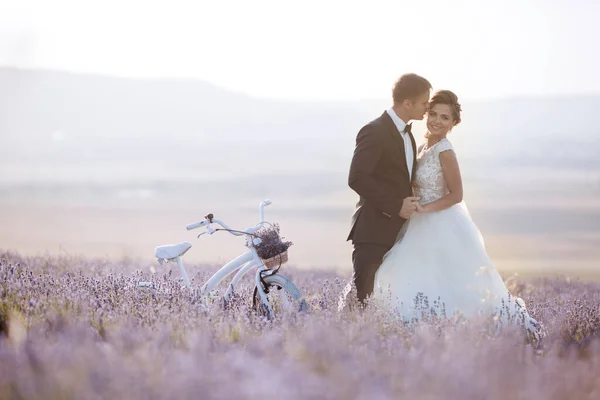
[271, 249]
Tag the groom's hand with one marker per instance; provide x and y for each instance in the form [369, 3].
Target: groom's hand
[409, 206]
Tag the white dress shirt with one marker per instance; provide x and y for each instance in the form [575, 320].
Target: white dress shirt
[408, 149]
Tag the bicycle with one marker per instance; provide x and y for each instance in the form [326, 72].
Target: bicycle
[266, 279]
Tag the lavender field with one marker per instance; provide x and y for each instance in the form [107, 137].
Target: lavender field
[73, 328]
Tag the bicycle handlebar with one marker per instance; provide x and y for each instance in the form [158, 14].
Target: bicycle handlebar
[209, 219]
[261, 209]
[195, 225]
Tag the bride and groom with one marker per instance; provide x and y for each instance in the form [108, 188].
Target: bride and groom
[416, 249]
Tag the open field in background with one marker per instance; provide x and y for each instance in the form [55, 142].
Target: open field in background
[113, 222]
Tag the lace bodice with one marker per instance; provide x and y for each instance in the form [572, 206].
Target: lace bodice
[429, 183]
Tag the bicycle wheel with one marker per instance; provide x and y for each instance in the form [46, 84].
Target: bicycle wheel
[283, 296]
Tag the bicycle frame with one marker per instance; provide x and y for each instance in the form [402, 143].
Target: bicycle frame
[243, 264]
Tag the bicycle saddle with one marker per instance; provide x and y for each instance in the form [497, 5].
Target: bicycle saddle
[171, 251]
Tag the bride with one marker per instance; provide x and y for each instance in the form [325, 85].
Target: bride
[439, 265]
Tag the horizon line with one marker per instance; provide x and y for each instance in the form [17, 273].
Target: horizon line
[195, 79]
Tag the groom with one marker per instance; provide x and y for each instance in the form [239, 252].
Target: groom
[381, 174]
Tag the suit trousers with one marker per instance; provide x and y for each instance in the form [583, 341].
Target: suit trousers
[366, 259]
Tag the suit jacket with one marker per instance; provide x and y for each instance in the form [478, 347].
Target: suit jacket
[379, 175]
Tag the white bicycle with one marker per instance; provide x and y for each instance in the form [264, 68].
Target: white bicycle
[273, 292]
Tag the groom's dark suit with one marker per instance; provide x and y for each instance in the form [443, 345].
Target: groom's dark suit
[379, 174]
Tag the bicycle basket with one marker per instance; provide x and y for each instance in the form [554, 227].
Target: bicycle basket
[276, 261]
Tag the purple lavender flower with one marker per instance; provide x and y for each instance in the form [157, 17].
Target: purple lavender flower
[94, 334]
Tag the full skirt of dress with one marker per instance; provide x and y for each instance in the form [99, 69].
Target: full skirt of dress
[439, 267]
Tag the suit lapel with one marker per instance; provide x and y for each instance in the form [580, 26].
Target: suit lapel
[414, 168]
[397, 138]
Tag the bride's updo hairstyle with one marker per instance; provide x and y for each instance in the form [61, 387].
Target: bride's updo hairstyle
[449, 98]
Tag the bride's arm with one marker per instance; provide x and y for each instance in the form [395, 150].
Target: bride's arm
[453, 181]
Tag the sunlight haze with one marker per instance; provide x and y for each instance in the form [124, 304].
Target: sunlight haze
[320, 50]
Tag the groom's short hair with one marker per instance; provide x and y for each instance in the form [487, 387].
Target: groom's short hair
[409, 86]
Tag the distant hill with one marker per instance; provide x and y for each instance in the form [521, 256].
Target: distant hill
[79, 127]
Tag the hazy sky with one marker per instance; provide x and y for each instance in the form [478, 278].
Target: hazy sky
[317, 49]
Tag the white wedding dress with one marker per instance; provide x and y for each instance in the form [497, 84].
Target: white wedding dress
[439, 265]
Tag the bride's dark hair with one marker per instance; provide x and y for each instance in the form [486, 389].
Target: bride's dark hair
[449, 98]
